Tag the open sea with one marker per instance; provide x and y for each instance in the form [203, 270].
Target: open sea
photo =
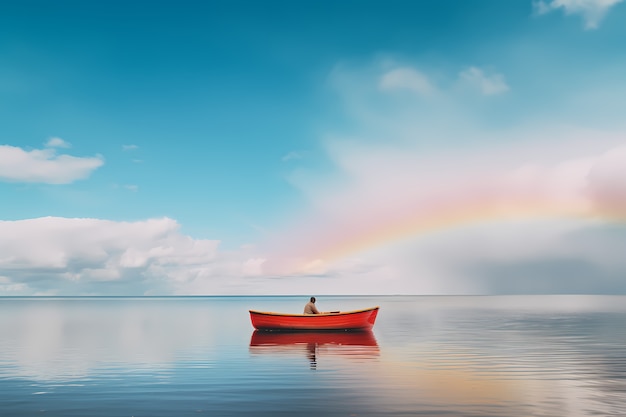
[426, 356]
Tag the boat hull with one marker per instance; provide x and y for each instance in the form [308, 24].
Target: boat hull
[349, 320]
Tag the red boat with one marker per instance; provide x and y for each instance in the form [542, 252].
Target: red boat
[316, 345]
[347, 320]
[361, 338]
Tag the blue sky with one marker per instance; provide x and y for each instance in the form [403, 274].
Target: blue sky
[241, 137]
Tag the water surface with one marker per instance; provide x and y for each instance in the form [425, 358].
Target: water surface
[431, 356]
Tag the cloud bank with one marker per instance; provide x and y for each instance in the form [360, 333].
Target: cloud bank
[55, 255]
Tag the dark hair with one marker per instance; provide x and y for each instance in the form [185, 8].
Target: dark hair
[312, 299]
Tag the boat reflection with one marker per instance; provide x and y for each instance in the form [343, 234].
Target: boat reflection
[356, 345]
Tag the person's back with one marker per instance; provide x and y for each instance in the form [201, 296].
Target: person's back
[310, 308]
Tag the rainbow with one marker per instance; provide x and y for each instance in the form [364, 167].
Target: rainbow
[448, 216]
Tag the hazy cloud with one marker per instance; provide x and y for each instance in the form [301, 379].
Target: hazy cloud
[57, 143]
[592, 11]
[129, 147]
[44, 165]
[292, 156]
[487, 84]
[412, 209]
[407, 221]
[607, 182]
[406, 78]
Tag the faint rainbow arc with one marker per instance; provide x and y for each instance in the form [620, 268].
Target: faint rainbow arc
[447, 218]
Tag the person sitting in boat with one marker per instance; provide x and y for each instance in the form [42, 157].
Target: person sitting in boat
[310, 308]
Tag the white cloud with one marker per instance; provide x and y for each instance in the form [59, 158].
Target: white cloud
[57, 143]
[592, 11]
[71, 255]
[406, 78]
[83, 256]
[44, 166]
[129, 147]
[487, 84]
[132, 187]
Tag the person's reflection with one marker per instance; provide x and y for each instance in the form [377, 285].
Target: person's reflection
[312, 349]
[358, 345]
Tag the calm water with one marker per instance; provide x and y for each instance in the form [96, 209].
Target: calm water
[431, 356]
